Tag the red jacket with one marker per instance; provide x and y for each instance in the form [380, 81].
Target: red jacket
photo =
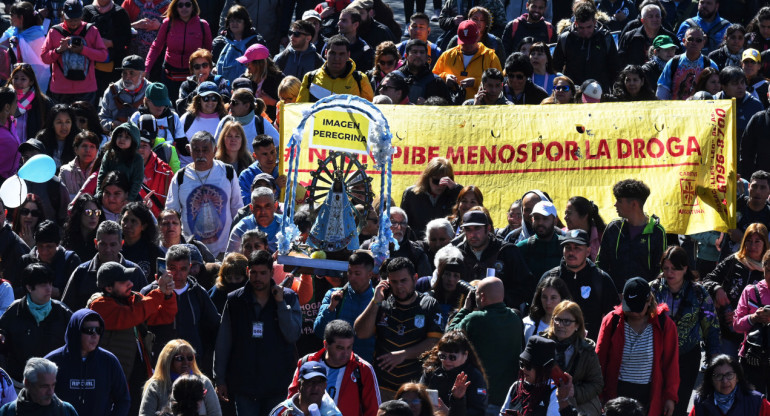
[665, 368]
[350, 401]
[157, 177]
[180, 40]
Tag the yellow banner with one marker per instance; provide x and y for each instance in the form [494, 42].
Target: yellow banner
[340, 130]
[684, 151]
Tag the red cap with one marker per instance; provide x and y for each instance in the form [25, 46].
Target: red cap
[467, 32]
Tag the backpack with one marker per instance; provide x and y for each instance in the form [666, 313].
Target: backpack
[712, 44]
[228, 168]
[675, 64]
[312, 74]
[515, 27]
[73, 65]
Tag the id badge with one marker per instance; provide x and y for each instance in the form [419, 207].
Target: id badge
[257, 329]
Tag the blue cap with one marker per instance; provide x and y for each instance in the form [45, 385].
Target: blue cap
[207, 88]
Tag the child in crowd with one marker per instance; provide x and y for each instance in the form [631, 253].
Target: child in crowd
[121, 155]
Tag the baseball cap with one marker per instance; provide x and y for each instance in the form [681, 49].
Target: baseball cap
[545, 208]
[241, 82]
[207, 88]
[475, 218]
[112, 272]
[635, 295]
[752, 54]
[255, 52]
[158, 94]
[312, 369]
[575, 236]
[132, 62]
[592, 93]
[32, 144]
[264, 177]
[362, 4]
[701, 95]
[195, 254]
[663, 42]
[72, 9]
[468, 31]
[311, 14]
[454, 264]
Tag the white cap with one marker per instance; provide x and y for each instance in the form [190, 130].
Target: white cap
[545, 209]
[592, 93]
[311, 14]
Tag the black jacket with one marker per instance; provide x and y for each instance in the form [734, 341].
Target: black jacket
[114, 25]
[420, 211]
[63, 264]
[623, 258]
[411, 250]
[539, 30]
[12, 248]
[533, 95]
[754, 148]
[634, 45]
[424, 85]
[475, 401]
[25, 338]
[581, 59]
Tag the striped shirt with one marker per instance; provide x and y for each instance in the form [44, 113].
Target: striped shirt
[636, 366]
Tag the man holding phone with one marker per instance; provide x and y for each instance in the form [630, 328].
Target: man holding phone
[491, 91]
[405, 324]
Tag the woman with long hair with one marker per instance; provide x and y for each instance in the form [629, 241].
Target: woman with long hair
[386, 59]
[550, 292]
[708, 80]
[693, 312]
[576, 355]
[187, 395]
[638, 351]
[87, 118]
[758, 34]
[238, 35]
[582, 214]
[264, 75]
[86, 162]
[543, 74]
[416, 396]
[730, 52]
[201, 65]
[26, 218]
[470, 196]
[9, 138]
[563, 90]
[432, 196]
[140, 236]
[232, 147]
[726, 391]
[80, 229]
[733, 274]
[232, 276]
[181, 33]
[27, 37]
[32, 104]
[205, 111]
[175, 360]
[631, 85]
[58, 134]
[453, 368]
[751, 315]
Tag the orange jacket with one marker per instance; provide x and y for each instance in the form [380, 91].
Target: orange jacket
[153, 309]
[451, 63]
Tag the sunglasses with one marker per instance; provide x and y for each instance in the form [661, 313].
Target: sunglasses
[388, 63]
[525, 365]
[184, 5]
[297, 34]
[33, 212]
[22, 65]
[696, 40]
[93, 212]
[561, 88]
[180, 358]
[210, 98]
[435, 181]
[517, 76]
[199, 66]
[448, 357]
[92, 330]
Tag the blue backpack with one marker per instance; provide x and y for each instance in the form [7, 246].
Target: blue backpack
[227, 66]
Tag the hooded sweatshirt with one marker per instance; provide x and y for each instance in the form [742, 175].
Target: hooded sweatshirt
[94, 384]
[298, 63]
[134, 170]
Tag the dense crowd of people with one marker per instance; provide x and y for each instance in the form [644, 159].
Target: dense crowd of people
[141, 279]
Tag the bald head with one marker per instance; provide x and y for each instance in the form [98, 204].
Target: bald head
[490, 291]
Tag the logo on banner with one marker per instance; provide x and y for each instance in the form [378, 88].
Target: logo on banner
[340, 130]
[687, 188]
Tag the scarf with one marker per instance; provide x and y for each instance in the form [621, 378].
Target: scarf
[561, 350]
[724, 401]
[39, 312]
[24, 101]
[245, 120]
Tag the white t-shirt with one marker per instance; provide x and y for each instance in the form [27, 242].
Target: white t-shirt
[251, 132]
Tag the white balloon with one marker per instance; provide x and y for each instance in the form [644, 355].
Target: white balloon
[13, 192]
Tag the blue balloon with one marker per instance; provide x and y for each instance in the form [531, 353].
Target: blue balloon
[39, 168]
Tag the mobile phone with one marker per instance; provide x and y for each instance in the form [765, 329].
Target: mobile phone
[161, 266]
[433, 394]
[557, 375]
[76, 41]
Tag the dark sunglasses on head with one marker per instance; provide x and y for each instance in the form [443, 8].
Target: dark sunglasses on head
[92, 330]
[199, 66]
[93, 212]
[180, 358]
[184, 5]
[561, 88]
[33, 212]
[298, 34]
[210, 98]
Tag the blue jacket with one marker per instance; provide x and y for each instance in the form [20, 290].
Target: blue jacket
[95, 385]
[352, 305]
[247, 177]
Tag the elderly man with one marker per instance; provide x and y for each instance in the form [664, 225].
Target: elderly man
[634, 45]
[399, 225]
[123, 98]
[38, 397]
[263, 218]
[206, 193]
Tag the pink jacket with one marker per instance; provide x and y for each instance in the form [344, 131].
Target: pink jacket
[93, 50]
[180, 41]
[747, 304]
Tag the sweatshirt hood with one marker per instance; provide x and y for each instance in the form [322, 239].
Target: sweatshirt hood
[72, 334]
[133, 131]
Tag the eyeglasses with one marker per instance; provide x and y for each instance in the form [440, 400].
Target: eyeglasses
[33, 212]
[525, 365]
[517, 76]
[563, 322]
[297, 34]
[180, 358]
[561, 88]
[209, 98]
[726, 376]
[93, 212]
[448, 357]
[184, 5]
[199, 66]
[695, 40]
[92, 330]
[398, 224]
[390, 62]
